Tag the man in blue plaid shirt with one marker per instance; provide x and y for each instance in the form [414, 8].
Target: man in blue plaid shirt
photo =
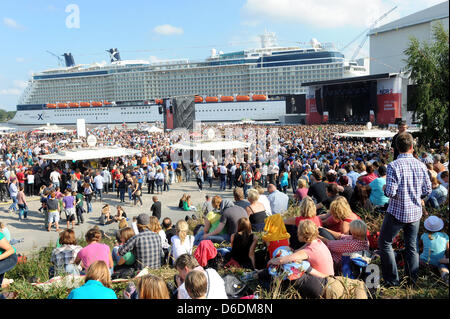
[145, 246]
[407, 183]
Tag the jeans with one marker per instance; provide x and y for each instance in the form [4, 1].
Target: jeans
[223, 182]
[23, 211]
[389, 230]
[6, 265]
[122, 194]
[264, 181]
[209, 180]
[13, 205]
[99, 191]
[215, 239]
[129, 194]
[159, 186]
[166, 187]
[199, 183]
[151, 186]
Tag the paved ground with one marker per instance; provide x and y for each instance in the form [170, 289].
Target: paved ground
[35, 236]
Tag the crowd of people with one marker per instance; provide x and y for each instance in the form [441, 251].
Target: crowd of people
[330, 182]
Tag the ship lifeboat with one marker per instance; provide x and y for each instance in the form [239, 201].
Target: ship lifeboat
[227, 99]
[107, 103]
[74, 104]
[85, 104]
[159, 101]
[210, 99]
[95, 103]
[51, 106]
[62, 105]
[259, 97]
[241, 98]
[198, 99]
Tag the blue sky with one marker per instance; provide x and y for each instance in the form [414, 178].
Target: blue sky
[171, 29]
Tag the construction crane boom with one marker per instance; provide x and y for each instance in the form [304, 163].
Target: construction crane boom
[60, 60]
[365, 32]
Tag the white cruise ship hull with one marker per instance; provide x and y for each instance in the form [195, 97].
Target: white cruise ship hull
[207, 112]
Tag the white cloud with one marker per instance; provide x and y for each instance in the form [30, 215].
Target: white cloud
[20, 84]
[167, 29]
[20, 60]
[318, 13]
[11, 23]
[17, 89]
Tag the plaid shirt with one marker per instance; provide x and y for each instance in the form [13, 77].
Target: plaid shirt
[146, 247]
[64, 255]
[346, 244]
[407, 181]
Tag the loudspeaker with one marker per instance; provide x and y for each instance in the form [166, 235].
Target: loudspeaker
[184, 112]
[319, 102]
[160, 109]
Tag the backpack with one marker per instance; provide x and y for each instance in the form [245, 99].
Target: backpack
[235, 288]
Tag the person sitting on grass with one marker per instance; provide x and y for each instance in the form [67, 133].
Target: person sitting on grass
[196, 284]
[156, 227]
[343, 244]
[8, 258]
[152, 287]
[97, 283]
[182, 242]
[94, 251]
[338, 218]
[435, 245]
[243, 245]
[63, 257]
[125, 262]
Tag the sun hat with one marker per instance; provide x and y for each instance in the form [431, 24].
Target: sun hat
[433, 223]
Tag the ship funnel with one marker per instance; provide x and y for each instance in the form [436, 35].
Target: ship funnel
[69, 60]
[114, 55]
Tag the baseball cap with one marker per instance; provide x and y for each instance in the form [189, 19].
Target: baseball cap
[143, 219]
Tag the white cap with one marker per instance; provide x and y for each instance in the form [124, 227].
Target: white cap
[433, 223]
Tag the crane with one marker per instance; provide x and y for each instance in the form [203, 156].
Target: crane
[355, 54]
[60, 60]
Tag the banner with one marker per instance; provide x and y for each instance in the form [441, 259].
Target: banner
[312, 116]
[389, 100]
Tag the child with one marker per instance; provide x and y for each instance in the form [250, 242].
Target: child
[105, 217]
[196, 284]
[435, 244]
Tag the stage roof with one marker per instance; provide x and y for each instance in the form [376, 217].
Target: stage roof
[210, 145]
[352, 79]
[368, 134]
[90, 153]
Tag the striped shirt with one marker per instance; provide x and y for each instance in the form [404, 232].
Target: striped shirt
[407, 181]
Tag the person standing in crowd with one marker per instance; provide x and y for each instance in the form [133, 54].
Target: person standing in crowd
[199, 177]
[107, 179]
[98, 183]
[223, 176]
[151, 179]
[407, 182]
[13, 191]
[278, 201]
[54, 208]
[23, 206]
[156, 207]
[3, 187]
[122, 188]
[402, 127]
[209, 174]
[69, 204]
[30, 189]
[159, 180]
[55, 177]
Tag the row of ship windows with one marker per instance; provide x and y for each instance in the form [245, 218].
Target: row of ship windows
[82, 114]
[228, 110]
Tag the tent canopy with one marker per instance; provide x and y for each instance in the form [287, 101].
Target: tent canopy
[90, 153]
[368, 134]
[210, 145]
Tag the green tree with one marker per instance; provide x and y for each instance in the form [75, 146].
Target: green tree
[428, 64]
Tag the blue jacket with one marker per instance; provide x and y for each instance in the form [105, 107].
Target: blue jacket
[93, 289]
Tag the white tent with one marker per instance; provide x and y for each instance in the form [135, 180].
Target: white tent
[368, 134]
[90, 153]
[153, 129]
[210, 145]
[44, 142]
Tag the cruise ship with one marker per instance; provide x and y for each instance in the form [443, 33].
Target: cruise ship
[232, 86]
